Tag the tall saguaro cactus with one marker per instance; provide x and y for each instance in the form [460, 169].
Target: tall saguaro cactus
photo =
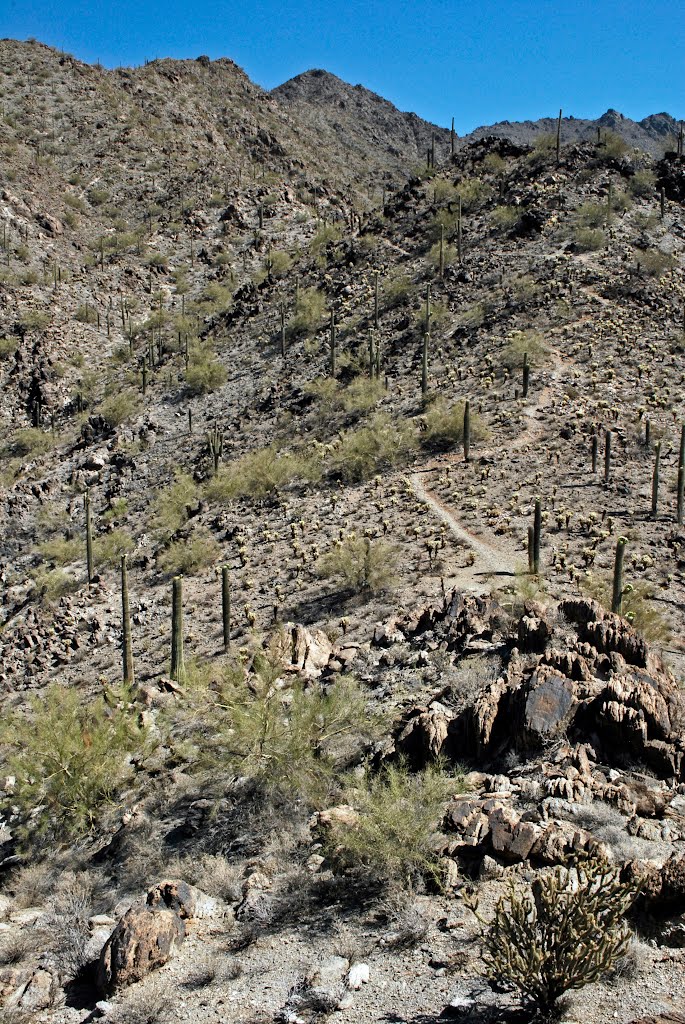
[607, 457]
[333, 353]
[467, 430]
[89, 537]
[537, 531]
[178, 668]
[126, 646]
[617, 592]
[655, 479]
[559, 138]
[681, 477]
[226, 606]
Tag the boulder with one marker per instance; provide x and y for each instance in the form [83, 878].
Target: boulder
[143, 940]
[549, 707]
[185, 900]
[511, 837]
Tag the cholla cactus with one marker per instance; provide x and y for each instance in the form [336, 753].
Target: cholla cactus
[565, 932]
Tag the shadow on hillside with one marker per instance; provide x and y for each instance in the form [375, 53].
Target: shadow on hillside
[468, 1015]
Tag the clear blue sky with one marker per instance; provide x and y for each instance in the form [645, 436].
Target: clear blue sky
[481, 61]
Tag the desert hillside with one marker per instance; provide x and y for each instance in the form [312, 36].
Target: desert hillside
[323, 434]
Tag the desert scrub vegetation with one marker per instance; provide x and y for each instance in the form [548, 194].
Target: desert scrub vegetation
[116, 408]
[288, 739]
[444, 425]
[396, 290]
[260, 473]
[309, 313]
[588, 239]
[8, 346]
[563, 932]
[172, 505]
[360, 565]
[29, 441]
[361, 395]
[189, 555]
[391, 833]
[69, 758]
[505, 218]
[380, 444]
[520, 343]
[204, 373]
[638, 607]
[52, 584]
[643, 183]
[654, 262]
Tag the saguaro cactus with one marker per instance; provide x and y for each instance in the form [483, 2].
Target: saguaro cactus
[126, 647]
[467, 430]
[617, 593]
[424, 363]
[89, 538]
[559, 138]
[376, 276]
[526, 375]
[607, 457]
[655, 479]
[332, 343]
[595, 448]
[681, 477]
[178, 668]
[283, 329]
[215, 444]
[226, 606]
[537, 531]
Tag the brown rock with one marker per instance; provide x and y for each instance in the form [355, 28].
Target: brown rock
[549, 706]
[143, 940]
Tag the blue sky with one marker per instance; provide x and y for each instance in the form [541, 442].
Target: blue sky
[480, 62]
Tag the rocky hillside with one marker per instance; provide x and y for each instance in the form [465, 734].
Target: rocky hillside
[289, 690]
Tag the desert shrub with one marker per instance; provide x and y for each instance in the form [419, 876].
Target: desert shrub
[397, 815]
[215, 297]
[8, 346]
[473, 316]
[521, 342]
[33, 320]
[637, 606]
[86, 314]
[190, 555]
[360, 564]
[52, 584]
[287, 738]
[643, 183]
[310, 310]
[30, 441]
[613, 146]
[118, 408]
[445, 425]
[362, 452]
[98, 196]
[591, 215]
[69, 758]
[109, 547]
[205, 373]
[474, 193]
[396, 291]
[654, 262]
[323, 237]
[565, 932]
[62, 551]
[172, 504]
[504, 218]
[589, 239]
[279, 263]
[256, 475]
[361, 395]
[449, 255]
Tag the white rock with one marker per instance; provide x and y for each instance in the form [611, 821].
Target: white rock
[358, 975]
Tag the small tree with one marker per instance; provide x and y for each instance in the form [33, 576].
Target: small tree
[566, 932]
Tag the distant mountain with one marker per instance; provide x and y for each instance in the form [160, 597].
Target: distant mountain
[359, 124]
[357, 121]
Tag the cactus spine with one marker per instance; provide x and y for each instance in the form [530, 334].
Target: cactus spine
[226, 606]
[126, 647]
[655, 479]
[178, 669]
[89, 537]
[467, 430]
[617, 594]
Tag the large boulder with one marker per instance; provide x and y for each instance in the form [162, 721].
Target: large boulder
[143, 940]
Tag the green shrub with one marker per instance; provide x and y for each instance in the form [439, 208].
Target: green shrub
[445, 425]
[98, 196]
[474, 194]
[323, 237]
[398, 815]
[257, 474]
[396, 291]
[205, 373]
[33, 320]
[86, 314]
[289, 739]
[109, 547]
[190, 555]
[8, 346]
[638, 607]
[361, 453]
[654, 262]
[643, 183]
[31, 441]
[521, 342]
[61, 551]
[565, 932]
[505, 218]
[361, 565]
[613, 146]
[69, 758]
[449, 255]
[52, 584]
[172, 504]
[118, 408]
[589, 239]
[310, 310]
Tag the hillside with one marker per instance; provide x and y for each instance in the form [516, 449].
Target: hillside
[222, 350]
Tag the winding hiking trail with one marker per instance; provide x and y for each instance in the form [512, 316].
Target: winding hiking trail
[493, 560]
